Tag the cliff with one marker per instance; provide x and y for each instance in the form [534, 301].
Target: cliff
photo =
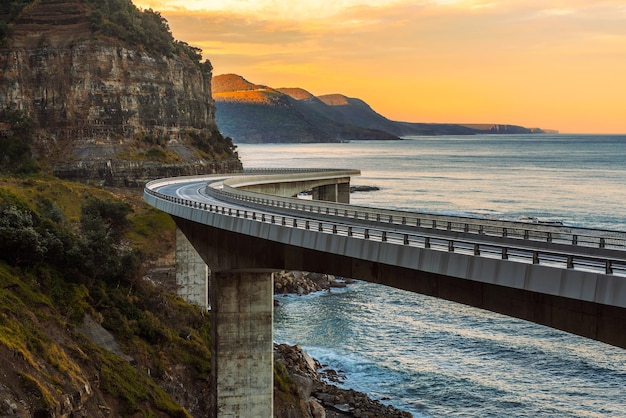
[107, 110]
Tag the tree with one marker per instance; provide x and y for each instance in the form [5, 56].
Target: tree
[21, 243]
[15, 143]
[9, 11]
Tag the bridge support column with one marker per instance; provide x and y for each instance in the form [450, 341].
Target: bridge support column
[339, 192]
[242, 358]
[343, 193]
[192, 273]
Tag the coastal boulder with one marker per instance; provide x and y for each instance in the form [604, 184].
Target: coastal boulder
[303, 283]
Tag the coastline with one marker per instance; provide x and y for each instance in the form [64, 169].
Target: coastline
[440, 345]
[316, 383]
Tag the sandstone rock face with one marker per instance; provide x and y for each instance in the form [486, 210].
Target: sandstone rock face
[97, 103]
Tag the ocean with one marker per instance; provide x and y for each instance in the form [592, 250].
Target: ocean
[436, 358]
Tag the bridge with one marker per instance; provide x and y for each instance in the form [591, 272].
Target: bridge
[246, 226]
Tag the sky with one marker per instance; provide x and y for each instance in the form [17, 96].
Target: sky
[553, 64]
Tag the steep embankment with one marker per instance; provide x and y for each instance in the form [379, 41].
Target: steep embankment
[113, 98]
[84, 329]
[250, 112]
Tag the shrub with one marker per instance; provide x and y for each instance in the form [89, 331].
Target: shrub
[21, 242]
[214, 144]
[156, 154]
[120, 19]
[15, 144]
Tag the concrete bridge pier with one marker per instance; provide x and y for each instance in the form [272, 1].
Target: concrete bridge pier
[339, 192]
[192, 273]
[242, 347]
[242, 306]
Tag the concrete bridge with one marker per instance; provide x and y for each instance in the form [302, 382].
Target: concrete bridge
[246, 226]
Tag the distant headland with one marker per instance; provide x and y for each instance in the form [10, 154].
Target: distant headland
[254, 113]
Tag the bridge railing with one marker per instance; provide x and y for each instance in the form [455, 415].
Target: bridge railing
[583, 237]
[253, 171]
[260, 177]
[519, 253]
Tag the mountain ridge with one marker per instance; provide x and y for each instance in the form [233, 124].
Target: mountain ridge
[255, 113]
[340, 117]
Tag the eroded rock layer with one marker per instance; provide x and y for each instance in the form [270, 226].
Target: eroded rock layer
[103, 110]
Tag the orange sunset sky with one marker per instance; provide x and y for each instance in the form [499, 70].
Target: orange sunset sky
[537, 63]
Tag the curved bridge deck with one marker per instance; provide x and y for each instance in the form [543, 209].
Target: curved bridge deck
[584, 265]
[572, 279]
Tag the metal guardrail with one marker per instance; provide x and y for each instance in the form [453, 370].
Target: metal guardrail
[388, 233]
[583, 237]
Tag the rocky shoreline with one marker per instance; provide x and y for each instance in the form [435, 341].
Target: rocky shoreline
[319, 397]
[303, 283]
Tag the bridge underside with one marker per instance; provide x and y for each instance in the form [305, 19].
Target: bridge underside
[226, 251]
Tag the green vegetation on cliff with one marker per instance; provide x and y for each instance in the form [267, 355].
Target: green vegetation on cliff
[69, 252]
[15, 143]
[9, 11]
[140, 106]
[210, 146]
[72, 256]
[119, 19]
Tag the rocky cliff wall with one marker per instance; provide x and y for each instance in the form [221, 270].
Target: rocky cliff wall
[99, 104]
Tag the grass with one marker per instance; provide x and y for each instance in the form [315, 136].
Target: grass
[148, 223]
[119, 379]
[38, 307]
[27, 324]
[35, 389]
[157, 154]
[67, 196]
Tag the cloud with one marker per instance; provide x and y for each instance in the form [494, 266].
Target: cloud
[233, 28]
[556, 12]
[440, 37]
[295, 10]
[434, 59]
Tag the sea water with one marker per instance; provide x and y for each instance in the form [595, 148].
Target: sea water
[436, 358]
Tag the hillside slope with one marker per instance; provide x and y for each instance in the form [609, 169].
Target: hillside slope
[359, 113]
[250, 112]
[89, 322]
[256, 113]
[84, 331]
